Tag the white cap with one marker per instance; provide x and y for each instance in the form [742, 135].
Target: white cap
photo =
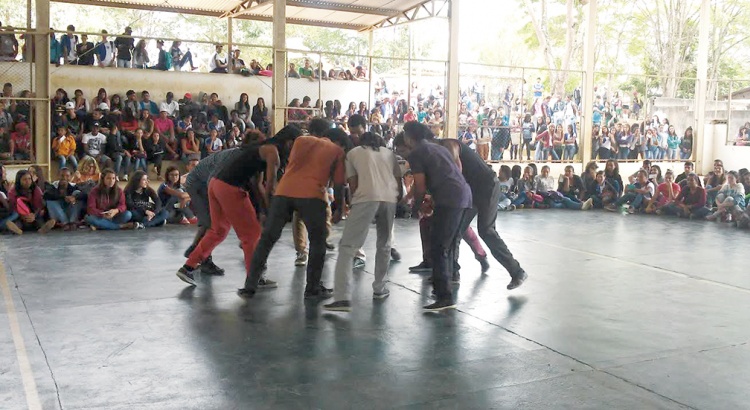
[104, 107]
[70, 105]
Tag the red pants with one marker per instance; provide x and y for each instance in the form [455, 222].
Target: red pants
[230, 208]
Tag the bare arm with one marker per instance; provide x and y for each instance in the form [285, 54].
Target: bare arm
[270, 154]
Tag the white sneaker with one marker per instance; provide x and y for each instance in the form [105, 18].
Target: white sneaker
[301, 259]
[125, 177]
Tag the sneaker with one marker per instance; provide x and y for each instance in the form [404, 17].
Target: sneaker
[395, 255]
[511, 208]
[521, 206]
[381, 295]
[125, 177]
[47, 226]
[359, 263]
[193, 221]
[659, 212]
[187, 275]
[339, 306]
[319, 293]
[422, 267]
[588, 204]
[209, 268]
[330, 246]
[245, 293]
[184, 221]
[440, 305]
[631, 210]
[13, 228]
[485, 264]
[139, 225]
[301, 259]
[517, 281]
[264, 283]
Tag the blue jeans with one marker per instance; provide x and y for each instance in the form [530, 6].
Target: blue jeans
[653, 153]
[70, 158]
[635, 200]
[10, 218]
[624, 153]
[674, 153]
[118, 158]
[64, 212]
[157, 220]
[570, 152]
[550, 151]
[567, 203]
[109, 224]
[521, 199]
[140, 163]
[685, 155]
[538, 152]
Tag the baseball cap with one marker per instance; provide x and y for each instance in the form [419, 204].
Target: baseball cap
[103, 106]
[70, 105]
[95, 124]
[188, 95]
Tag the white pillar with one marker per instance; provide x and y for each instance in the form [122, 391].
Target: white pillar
[452, 90]
[371, 95]
[279, 64]
[587, 91]
[41, 85]
[702, 154]
[230, 41]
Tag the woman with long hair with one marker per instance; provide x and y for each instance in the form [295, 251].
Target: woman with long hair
[147, 123]
[730, 200]
[260, 116]
[191, 147]
[138, 152]
[143, 202]
[27, 206]
[336, 113]
[352, 109]
[140, 55]
[155, 148]
[243, 107]
[175, 200]
[686, 145]
[101, 98]
[106, 205]
[612, 175]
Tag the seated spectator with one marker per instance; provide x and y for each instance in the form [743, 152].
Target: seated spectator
[64, 202]
[85, 51]
[506, 190]
[64, 148]
[690, 203]
[260, 117]
[155, 148]
[730, 200]
[116, 109]
[179, 59]
[236, 121]
[94, 144]
[143, 202]
[218, 63]
[306, 71]
[714, 181]
[655, 175]
[268, 72]
[106, 207]
[612, 175]
[636, 195]
[147, 105]
[87, 173]
[171, 106]
[129, 123]
[238, 65]
[97, 116]
[101, 97]
[20, 143]
[242, 108]
[5, 154]
[191, 148]
[147, 123]
[234, 138]
[184, 125]
[138, 152]
[683, 177]
[5, 211]
[115, 150]
[215, 106]
[666, 193]
[165, 127]
[217, 125]
[255, 67]
[213, 143]
[82, 106]
[27, 206]
[188, 106]
[175, 200]
[292, 73]
[572, 189]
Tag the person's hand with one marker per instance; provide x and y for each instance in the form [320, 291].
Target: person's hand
[150, 215]
[70, 199]
[28, 218]
[108, 214]
[77, 175]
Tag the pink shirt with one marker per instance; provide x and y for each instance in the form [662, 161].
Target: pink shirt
[663, 189]
[162, 125]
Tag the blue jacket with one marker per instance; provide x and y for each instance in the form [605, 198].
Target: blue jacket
[55, 50]
[101, 51]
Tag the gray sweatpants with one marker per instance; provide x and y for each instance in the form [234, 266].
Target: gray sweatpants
[352, 239]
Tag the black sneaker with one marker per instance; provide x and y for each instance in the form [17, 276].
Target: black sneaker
[485, 264]
[245, 293]
[319, 293]
[440, 305]
[422, 267]
[518, 281]
[264, 283]
[209, 268]
[395, 255]
[339, 306]
[187, 275]
[189, 250]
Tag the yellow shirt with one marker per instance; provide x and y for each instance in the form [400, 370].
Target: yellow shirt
[66, 147]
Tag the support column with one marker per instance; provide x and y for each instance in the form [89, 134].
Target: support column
[279, 64]
[452, 91]
[230, 41]
[371, 96]
[587, 92]
[702, 154]
[41, 85]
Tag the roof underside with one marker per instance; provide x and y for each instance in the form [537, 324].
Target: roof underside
[347, 14]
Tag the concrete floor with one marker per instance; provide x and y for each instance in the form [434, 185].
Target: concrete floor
[620, 312]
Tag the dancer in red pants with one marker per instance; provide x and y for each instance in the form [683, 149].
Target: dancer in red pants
[229, 200]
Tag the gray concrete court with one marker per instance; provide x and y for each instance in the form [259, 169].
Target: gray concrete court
[620, 312]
